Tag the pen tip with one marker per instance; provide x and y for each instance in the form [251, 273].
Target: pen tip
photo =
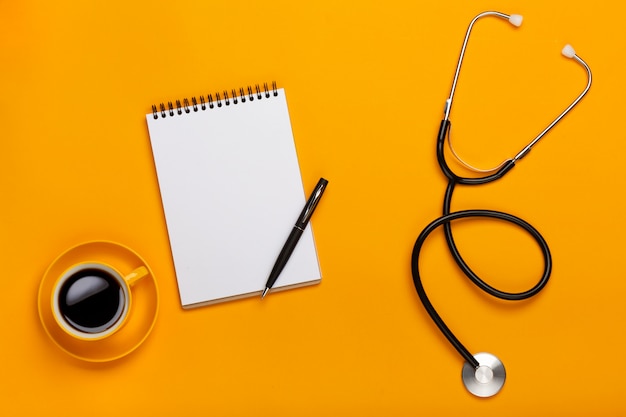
[265, 291]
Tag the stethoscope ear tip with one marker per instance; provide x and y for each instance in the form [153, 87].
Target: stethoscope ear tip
[516, 19]
[487, 379]
[568, 51]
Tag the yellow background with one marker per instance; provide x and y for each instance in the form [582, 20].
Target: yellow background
[366, 83]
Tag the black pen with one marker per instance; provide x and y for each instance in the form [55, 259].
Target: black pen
[295, 234]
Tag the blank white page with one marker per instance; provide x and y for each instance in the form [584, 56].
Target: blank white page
[231, 191]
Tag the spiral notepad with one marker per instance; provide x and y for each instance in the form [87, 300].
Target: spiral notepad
[231, 190]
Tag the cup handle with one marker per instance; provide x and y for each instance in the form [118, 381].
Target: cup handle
[136, 275]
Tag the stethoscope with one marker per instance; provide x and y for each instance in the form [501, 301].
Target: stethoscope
[483, 374]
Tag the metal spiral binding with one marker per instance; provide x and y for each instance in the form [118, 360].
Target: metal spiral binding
[212, 100]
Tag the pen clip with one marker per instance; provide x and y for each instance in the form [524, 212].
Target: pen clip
[307, 212]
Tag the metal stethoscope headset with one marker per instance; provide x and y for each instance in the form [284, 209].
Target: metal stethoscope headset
[483, 374]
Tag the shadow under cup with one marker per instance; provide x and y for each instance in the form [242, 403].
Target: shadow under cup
[91, 301]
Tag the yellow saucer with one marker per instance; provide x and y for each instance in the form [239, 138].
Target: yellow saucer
[139, 323]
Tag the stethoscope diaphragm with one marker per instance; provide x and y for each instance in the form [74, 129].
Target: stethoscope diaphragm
[487, 379]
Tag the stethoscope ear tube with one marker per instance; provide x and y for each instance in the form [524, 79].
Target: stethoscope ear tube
[443, 131]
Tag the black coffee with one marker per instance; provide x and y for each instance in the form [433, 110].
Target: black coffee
[91, 300]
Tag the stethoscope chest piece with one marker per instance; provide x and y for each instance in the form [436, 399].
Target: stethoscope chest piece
[487, 379]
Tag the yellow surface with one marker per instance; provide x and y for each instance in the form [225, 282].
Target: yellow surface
[366, 82]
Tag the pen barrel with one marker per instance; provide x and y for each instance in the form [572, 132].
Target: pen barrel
[284, 255]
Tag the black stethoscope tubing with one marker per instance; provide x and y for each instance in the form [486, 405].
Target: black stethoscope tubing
[445, 220]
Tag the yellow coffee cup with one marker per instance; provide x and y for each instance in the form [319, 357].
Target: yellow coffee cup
[93, 300]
